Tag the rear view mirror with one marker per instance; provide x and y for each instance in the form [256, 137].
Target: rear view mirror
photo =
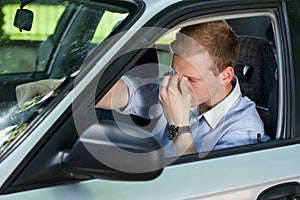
[25, 2]
[23, 19]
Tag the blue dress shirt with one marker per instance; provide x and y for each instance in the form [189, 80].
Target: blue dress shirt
[232, 122]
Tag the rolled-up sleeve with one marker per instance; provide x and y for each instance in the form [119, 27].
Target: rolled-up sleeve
[143, 99]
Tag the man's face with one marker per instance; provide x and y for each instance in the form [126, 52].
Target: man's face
[204, 85]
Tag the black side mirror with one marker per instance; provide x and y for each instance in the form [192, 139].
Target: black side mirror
[23, 19]
[115, 151]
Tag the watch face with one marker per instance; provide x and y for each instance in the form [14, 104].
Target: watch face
[173, 132]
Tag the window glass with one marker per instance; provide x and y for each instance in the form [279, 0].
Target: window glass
[54, 47]
[168, 38]
[164, 52]
[45, 20]
[19, 50]
[109, 20]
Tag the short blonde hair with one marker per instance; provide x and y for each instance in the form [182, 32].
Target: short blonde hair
[217, 38]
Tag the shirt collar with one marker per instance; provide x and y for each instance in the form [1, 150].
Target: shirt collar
[214, 115]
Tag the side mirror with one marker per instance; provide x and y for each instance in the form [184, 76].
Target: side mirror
[23, 19]
[115, 151]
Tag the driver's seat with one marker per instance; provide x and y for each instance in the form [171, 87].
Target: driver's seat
[256, 70]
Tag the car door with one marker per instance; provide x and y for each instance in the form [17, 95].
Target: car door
[266, 170]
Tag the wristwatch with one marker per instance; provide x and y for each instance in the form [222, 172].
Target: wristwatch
[174, 131]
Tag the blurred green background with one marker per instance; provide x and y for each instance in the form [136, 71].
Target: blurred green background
[45, 20]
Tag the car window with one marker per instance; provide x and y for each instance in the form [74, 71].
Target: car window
[110, 20]
[256, 71]
[63, 34]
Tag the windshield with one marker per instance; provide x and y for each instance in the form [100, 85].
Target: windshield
[52, 46]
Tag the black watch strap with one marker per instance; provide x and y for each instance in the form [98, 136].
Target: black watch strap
[184, 129]
[174, 131]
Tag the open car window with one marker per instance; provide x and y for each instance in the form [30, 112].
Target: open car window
[256, 70]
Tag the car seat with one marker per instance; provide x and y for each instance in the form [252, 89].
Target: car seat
[256, 70]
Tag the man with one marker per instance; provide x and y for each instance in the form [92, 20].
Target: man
[201, 101]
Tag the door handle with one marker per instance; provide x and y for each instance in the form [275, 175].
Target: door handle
[285, 191]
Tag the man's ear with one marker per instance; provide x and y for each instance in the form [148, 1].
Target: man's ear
[227, 75]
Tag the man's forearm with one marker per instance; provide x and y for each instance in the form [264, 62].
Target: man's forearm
[184, 144]
[117, 97]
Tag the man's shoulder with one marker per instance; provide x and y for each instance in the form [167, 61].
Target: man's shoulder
[243, 103]
[244, 110]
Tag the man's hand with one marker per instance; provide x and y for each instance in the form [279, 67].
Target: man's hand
[176, 99]
[27, 91]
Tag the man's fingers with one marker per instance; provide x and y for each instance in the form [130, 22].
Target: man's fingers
[165, 82]
[163, 88]
[184, 88]
[174, 81]
[169, 84]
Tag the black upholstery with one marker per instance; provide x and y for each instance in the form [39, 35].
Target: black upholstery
[147, 65]
[255, 69]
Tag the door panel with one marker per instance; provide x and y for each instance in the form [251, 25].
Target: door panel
[242, 176]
